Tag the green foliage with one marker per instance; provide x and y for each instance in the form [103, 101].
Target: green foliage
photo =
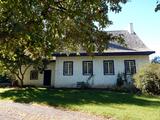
[121, 106]
[30, 30]
[4, 79]
[14, 61]
[5, 75]
[156, 59]
[148, 79]
[45, 26]
[157, 7]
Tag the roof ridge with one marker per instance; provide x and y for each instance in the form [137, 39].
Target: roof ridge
[117, 31]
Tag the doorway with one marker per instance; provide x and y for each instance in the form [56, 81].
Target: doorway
[47, 78]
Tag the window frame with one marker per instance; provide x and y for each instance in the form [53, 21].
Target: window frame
[64, 74]
[108, 61]
[87, 68]
[31, 72]
[125, 61]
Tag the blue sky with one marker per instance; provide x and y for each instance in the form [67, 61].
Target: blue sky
[146, 22]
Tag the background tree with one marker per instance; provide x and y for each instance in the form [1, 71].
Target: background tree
[30, 30]
[156, 59]
[158, 6]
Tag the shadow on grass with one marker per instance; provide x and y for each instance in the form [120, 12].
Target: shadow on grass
[67, 97]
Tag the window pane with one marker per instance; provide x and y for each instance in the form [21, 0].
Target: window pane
[87, 67]
[65, 68]
[34, 75]
[130, 67]
[133, 67]
[108, 67]
[90, 68]
[105, 67]
[68, 68]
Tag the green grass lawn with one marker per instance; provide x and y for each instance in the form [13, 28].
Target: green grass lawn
[122, 106]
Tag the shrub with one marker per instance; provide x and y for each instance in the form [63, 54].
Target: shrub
[147, 79]
[5, 79]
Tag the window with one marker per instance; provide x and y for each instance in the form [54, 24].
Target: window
[108, 66]
[87, 67]
[68, 68]
[34, 75]
[130, 67]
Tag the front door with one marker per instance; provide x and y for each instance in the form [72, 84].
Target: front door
[47, 78]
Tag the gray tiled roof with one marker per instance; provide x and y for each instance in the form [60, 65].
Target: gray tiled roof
[133, 42]
[134, 46]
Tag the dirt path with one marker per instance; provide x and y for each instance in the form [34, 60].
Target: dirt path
[19, 111]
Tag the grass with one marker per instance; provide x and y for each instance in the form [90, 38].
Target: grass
[122, 106]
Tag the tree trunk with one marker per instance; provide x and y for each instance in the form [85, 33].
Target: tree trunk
[21, 82]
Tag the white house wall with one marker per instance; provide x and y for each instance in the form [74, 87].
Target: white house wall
[39, 82]
[99, 80]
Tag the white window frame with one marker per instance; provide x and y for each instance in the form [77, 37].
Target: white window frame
[110, 72]
[130, 66]
[69, 71]
[87, 67]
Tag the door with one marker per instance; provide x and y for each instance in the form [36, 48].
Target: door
[47, 78]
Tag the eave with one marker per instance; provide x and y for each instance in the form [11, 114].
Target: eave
[105, 54]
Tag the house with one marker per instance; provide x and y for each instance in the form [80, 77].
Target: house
[99, 71]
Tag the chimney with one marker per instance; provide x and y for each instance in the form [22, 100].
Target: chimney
[131, 30]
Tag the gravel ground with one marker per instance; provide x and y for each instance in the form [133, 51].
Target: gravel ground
[19, 111]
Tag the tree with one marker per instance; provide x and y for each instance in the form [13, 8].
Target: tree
[50, 25]
[157, 7]
[31, 30]
[156, 59]
[15, 62]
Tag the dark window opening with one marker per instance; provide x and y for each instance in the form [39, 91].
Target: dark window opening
[34, 75]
